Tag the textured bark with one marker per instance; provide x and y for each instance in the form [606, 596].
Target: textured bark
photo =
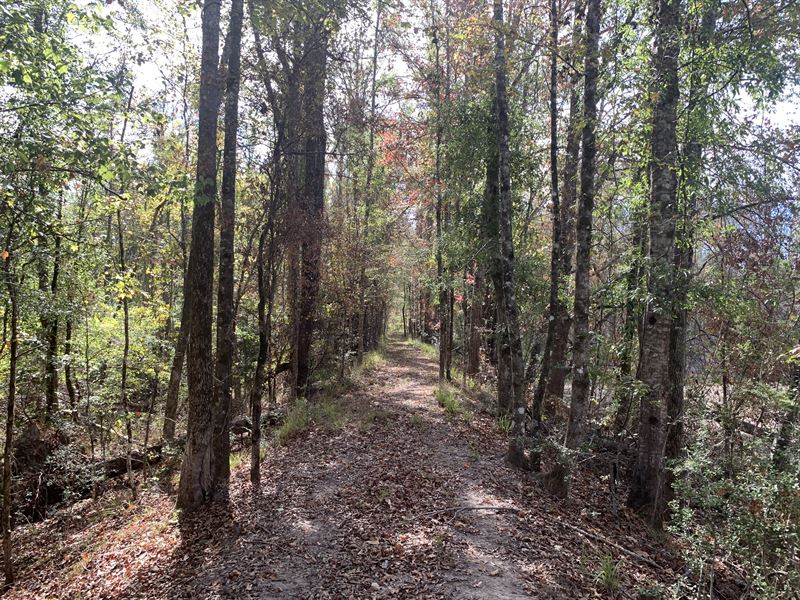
[513, 392]
[558, 479]
[558, 369]
[491, 233]
[197, 481]
[653, 369]
[691, 171]
[580, 352]
[312, 197]
[226, 319]
[555, 252]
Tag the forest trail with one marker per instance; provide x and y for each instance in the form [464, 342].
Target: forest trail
[365, 510]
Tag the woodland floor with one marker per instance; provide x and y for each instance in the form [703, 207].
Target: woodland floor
[366, 510]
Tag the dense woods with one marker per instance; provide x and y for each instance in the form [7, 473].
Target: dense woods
[214, 217]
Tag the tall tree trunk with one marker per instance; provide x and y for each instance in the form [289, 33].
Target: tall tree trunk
[316, 52]
[123, 386]
[556, 376]
[197, 480]
[555, 253]
[580, 351]
[653, 369]
[226, 319]
[691, 172]
[515, 387]
[261, 362]
[12, 285]
[51, 368]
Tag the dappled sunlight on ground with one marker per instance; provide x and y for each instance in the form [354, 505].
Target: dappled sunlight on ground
[402, 501]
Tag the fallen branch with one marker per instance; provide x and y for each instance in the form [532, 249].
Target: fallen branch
[608, 542]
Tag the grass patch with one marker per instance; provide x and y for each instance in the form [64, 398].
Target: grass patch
[504, 424]
[608, 577]
[370, 360]
[303, 415]
[235, 459]
[447, 398]
[428, 350]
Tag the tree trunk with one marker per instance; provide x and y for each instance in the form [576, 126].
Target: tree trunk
[556, 376]
[259, 377]
[197, 481]
[555, 254]
[312, 201]
[13, 351]
[580, 351]
[475, 325]
[514, 389]
[226, 319]
[51, 368]
[684, 257]
[123, 386]
[653, 369]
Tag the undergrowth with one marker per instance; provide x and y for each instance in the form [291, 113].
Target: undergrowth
[447, 398]
[325, 414]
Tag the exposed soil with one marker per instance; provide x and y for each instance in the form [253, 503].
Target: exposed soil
[402, 501]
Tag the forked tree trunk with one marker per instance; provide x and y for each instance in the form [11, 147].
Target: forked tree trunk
[197, 480]
[653, 369]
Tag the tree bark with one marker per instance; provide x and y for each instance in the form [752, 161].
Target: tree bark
[555, 253]
[684, 256]
[553, 390]
[312, 198]
[226, 319]
[514, 389]
[653, 369]
[197, 480]
[580, 350]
